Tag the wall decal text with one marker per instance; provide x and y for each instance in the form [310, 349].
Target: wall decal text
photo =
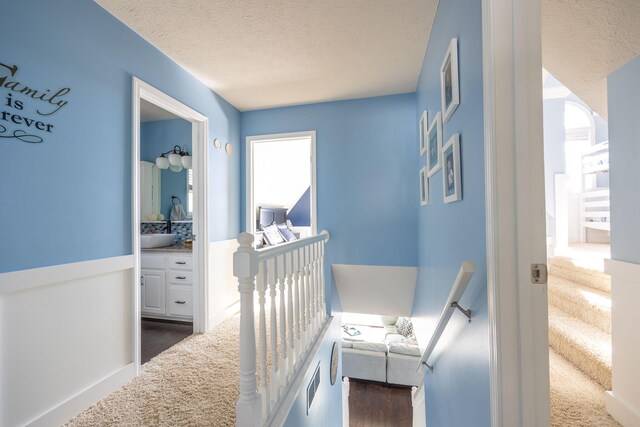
[13, 123]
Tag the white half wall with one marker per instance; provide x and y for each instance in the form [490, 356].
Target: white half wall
[375, 289]
[65, 339]
[623, 402]
[224, 298]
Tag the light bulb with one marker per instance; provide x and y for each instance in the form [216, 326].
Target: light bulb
[174, 159]
[162, 162]
[186, 161]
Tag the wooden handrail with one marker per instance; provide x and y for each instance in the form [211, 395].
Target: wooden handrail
[462, 280]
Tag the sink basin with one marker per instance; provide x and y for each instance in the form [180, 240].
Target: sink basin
[148, 241]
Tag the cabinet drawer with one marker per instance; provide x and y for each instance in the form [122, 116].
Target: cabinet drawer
[179, 277]
[180, 301]
[180, 263]
[152, 261]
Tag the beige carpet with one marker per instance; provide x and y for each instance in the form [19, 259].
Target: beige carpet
[194, 383]
[576, 400]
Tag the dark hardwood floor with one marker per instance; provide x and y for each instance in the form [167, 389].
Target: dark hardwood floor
[379, 405]
[158, 335]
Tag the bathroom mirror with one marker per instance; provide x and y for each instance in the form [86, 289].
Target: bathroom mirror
[160, 131]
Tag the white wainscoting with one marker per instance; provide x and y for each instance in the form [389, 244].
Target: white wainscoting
[224, 298]
[65, 339]
[623, 402]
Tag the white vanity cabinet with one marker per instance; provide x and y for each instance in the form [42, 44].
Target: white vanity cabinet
[167, 286]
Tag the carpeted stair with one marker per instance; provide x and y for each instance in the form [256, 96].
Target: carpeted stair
[580, 318]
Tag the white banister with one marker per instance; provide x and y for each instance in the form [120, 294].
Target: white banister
[462, 280]
[287, 282]
[245, 268]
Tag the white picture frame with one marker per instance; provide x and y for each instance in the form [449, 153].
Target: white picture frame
[422, 129]
[434, 145]
[449, 84]
[451, 179]
[424, 186]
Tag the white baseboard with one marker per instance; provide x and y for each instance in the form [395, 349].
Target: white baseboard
[65, 411]
[223, 315]
[621, 411]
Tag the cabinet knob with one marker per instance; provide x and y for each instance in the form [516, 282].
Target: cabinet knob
[180, 277]
[180, 302]
[180, 262]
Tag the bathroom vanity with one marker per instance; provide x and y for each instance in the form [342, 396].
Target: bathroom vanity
[167, 283]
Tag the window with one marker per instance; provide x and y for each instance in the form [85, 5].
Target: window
[190, 192]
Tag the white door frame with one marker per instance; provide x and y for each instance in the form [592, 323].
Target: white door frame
[515, 212]
[256, 139]
[200, 151]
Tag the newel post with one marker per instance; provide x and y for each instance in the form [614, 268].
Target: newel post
[245, 268]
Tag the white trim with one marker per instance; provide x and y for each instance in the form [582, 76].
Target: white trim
[250, 140]
[515, 219]
[200, 151]
[44, 276]
[620, 410]
[418, 403]
[622, 269]
[73, 406]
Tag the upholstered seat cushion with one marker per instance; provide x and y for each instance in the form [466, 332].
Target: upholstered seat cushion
[370, 346]
[404, 348]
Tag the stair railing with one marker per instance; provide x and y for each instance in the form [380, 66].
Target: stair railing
[288, 281]
[462, 280]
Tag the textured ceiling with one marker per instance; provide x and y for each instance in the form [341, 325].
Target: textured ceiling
[583, 41]
[267, 53]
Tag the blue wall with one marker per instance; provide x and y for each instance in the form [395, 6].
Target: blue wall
[624, 153]
[159, 137]
[326, 410]
[69, 197]
[449, 234]
[367, 189]
[300, 213]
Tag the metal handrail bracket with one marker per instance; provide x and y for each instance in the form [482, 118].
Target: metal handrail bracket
[462, 280]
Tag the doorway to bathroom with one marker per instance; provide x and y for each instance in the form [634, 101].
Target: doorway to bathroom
[169, 219]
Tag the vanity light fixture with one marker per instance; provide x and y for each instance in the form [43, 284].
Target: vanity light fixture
[175, 160]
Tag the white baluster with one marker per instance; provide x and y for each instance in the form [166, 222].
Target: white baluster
[305, 299]
[322, 283]
[296, 298]
[245, 268]
[264, 373]
[316, 286]
[314, 294]
[288, 260]
[275, 387]
[284, 363]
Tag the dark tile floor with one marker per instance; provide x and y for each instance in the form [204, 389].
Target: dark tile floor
[158, 335]
[379, 405]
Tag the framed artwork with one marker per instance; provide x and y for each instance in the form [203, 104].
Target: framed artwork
[434, 145]
[451, 182]
[424, 122]
[424, 187]
[449, 88]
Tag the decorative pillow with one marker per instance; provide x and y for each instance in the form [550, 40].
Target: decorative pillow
[272, 235]
[405, 327]
[286, 233]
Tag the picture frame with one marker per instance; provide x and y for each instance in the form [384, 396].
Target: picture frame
[424, 186]
[434, 145]
[451, 179]
[422, 129]
[449, 84]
